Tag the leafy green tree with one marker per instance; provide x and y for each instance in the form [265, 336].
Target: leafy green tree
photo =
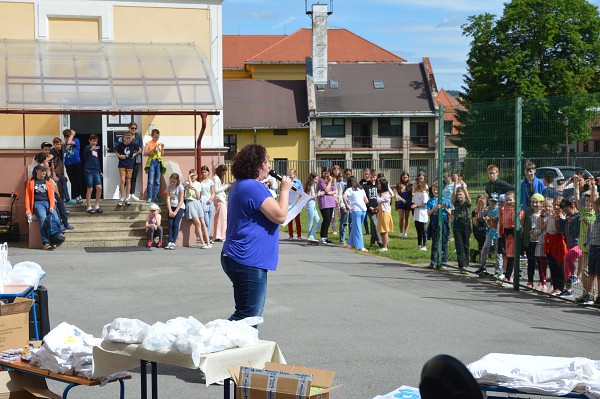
[546, 51]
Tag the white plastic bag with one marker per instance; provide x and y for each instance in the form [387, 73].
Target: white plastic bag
[158, 337]
[25, 273]
[128, 331]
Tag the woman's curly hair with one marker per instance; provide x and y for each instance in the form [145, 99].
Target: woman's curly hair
[246, 162]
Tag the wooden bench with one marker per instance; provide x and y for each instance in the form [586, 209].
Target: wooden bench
[71, 380]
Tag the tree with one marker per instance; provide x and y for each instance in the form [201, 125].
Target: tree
[546, 51]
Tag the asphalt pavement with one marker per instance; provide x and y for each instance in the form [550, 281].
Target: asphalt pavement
[372, 320]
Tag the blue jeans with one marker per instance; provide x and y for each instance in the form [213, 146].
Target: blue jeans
[65, 188]
[356, 238]
[434, 242]
[208, 216]
[314, 221]
[249, 288]
[174, 225]
[154, 173]
[42, 210]
[375, 236]
[343, 225]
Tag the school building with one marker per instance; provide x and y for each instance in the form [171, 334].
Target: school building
[95, 66]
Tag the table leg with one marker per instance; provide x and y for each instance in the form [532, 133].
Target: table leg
[154, 367]
[226, 388]
[35, 320]
[67, 389]
[144, 382]
[122, 389]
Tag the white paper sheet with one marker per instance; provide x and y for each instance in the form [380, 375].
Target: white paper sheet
[297, 201]
[111, 357]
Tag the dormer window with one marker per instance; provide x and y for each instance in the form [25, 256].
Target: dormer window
[378, 84]
[334, 84]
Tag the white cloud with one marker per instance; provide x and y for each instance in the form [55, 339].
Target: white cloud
[283, 23]
[261, 15]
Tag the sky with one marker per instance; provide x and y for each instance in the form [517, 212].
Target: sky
[411, 29]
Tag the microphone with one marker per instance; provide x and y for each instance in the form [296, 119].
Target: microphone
[277, 176]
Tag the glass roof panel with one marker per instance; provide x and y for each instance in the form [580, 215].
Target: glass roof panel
[56, 76]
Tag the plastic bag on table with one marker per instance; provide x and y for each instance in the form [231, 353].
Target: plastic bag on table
[65, 339]
[194, 346]
[158, 337]
[25, 273]
[128, 331]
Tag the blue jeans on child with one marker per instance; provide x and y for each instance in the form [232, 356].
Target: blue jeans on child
[356, 238]
[174, 225]
[208, 216]
[154, 173]
[42, 210]
[343, 225]
[314, 221]
[434, 242]
[249, 288]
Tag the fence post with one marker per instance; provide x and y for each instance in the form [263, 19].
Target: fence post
[441, 143]
[517, 173]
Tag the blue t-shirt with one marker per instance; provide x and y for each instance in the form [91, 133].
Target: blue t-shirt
[91, 158]
[72, 156]
[432, 203]
[252, 239]
[128, 150]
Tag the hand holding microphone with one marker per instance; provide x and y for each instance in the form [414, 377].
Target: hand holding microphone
[278, 177]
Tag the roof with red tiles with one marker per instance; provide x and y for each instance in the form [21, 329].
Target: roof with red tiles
[449, 102]
[343, 47]
[239, 48]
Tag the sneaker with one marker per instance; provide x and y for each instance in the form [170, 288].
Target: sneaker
[173, 245]
[290, 238]
[79, 201]
[383, 250]
[203, 246]
[159, 244]
[430, 266]
[566, 294]
[120, 203]
[556, 292]
[573, 279]
[90, 210]
[208, 246]
[529, 286]
[364, 250]
[335, 233]
[149, 244]
[157, 200]
[481, 270]
[70, 227]
[462, 270]
[323, 240]
[423, 248]
[99, 210]
[405, 235]
[149, 200]
[134, 197]
[585, 299]
[70, 202]
[444, 267]
[299, 238]
[47, 247]
[127, 202]
[597, 301]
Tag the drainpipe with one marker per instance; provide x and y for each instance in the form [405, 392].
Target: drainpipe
[203, 115]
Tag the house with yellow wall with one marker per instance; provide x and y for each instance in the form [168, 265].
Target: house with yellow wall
[94, 66]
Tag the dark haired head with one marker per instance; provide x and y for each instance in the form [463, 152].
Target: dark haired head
[67, 132]
[246, 162]
[566, 203]
[45, 144]
[204, 168]
[40, 157]
[385, 186]
[220, 171]
[352, 182]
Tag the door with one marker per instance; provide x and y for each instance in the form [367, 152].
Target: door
[85, 125]
[114, 128]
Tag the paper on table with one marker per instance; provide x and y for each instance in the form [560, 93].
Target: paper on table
[112, 357]
[297, 200]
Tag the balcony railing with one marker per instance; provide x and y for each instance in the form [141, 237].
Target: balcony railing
[362, 142]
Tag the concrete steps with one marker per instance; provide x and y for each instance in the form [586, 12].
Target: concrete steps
[116, 226]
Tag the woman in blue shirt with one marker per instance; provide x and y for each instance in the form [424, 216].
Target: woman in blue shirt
[252, 241]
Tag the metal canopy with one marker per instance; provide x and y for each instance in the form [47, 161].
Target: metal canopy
[38, 76]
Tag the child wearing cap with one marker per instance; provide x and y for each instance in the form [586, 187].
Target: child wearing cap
[532, 231]
[153, 226]
[490, 215]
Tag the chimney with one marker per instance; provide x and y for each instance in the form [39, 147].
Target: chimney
[319, 43]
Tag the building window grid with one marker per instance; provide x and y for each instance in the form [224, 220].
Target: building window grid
[389, 127]
[230, 141]
[419, 134]
[333, 127]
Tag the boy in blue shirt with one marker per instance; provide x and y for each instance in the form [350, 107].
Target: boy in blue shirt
[490, 215]
[93, 173]
[433, 207]
[126, 151]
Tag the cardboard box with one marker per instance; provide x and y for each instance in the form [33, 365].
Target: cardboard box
[14, 323]
[282, 381]
[16, 385]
